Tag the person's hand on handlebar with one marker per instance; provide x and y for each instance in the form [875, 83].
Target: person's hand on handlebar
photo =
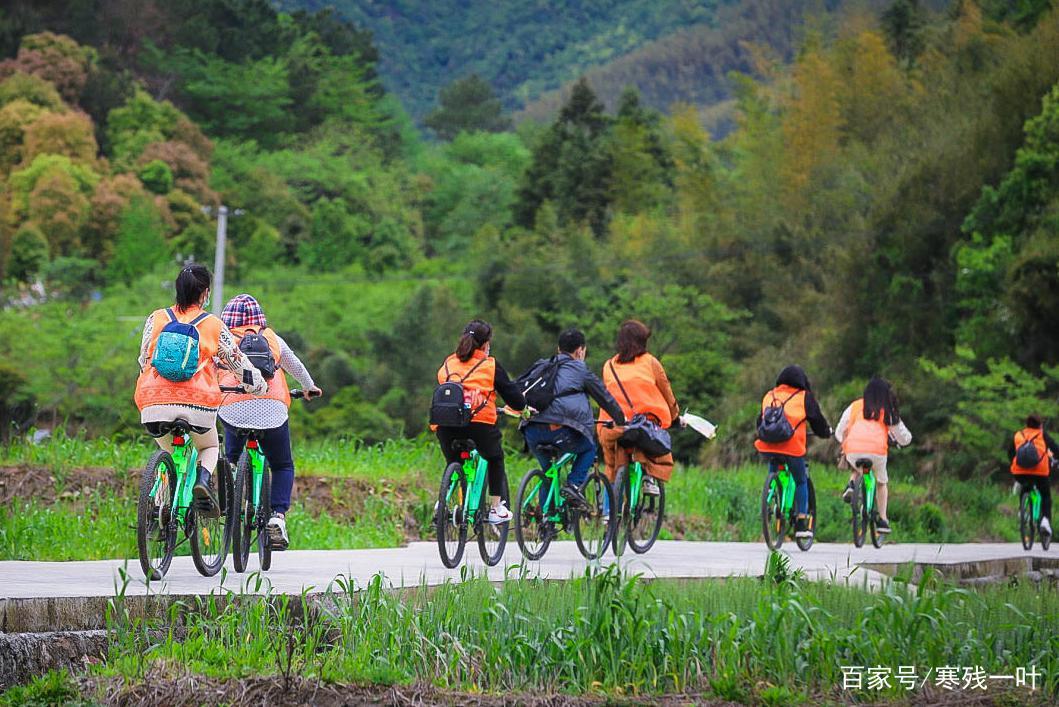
[313, 392]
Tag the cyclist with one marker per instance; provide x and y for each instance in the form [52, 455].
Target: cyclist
[482, 378]
[268, 414]
[1036, 475]
[638, 382]
[567, 423]
[195, 399]
[792, 395]
[865, 431]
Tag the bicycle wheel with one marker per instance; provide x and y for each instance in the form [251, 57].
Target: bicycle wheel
[492, 537]
[264, 512]
[1045, 539]
[155, 533]
[622, 516]
[211, 537]
[449, 522]
[646, 521]
[805, 543]
[860, 515]
[593, 527]
[773, 522]
[877, 538]
[1026, 520]
[533, 532]
[245, 512]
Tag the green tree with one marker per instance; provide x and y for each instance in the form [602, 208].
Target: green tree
[29, 253]
[903, 24]
[467, 105]
[140, 244]
[16, 401]
[156, 176]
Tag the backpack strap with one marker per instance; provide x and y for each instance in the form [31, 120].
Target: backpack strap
[620, 386]
[169, 313]
[197, 320]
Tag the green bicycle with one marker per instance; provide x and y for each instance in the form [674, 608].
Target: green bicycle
[865, 514]
[640, 514]
[777, 507]
[1030, 518]
[460, 508]
[166, 509]
[541, 511]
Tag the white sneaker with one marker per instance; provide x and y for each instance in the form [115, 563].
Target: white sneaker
[499, 513]
[650, 486]
[277, 532]
[1046, 527]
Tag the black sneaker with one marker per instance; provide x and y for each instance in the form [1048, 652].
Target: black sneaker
[801, 527]
[847, 494]
[573, 494]
[882, 525]
[205, 500]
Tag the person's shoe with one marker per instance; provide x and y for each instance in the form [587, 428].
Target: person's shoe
[277, 532]
[847, 494]
[882, 526]
[650, 486]
[573, 494]
[1046, 527]
[801, 527]
[205, 500]
[499, 513]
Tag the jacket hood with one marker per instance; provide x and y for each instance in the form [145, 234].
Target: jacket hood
[795, 377]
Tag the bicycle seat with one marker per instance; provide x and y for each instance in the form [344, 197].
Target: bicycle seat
[548, 450]
[179, 426]
[864, 464]
[464, 445]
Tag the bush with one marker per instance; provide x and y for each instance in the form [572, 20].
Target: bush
[29, 253]
[157, 176]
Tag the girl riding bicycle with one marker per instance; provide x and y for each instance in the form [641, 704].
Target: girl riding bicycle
[865, 431]
[190, 391]
[1029, 475]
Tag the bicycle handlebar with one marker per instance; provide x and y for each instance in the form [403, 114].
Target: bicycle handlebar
[295, 393]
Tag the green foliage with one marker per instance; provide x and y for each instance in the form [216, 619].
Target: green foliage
[16, 401]
[156, 176]
[467, 105]
[903, 23]
[29, 253]
[140, 243]
[139, 122]
[31, 88]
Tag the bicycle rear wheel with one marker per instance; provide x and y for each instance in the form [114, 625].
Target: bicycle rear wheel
[1026, 520]
[449, 521]
[533, 532]
[245, 512]
[211, 537]
[492, 537]
[860, 515]
[646, 521]
[877, 538]
[773, 521]
[155, 531]
[264, 512]
[805, 543]
[622, 515]
[593, 527]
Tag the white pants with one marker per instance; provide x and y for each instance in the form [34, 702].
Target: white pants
[878, 465]
[207, 444]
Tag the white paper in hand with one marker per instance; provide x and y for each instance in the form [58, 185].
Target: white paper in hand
[700, 424]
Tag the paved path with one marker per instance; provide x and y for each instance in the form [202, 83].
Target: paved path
[315, 569]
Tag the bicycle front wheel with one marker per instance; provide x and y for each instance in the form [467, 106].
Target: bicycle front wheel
[773, 521]
[155, 529]
[646, 521]
[211, 537]
[859, 513]
[1026, 520]
[805, 543]
[492, 537]
[449, 521]
[245, 512]
[533, 531]
[593, 527]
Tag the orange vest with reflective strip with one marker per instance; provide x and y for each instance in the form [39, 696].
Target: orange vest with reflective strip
[638, 379]
[201, 390]
[865, 436]
[795, 413]
[277, 387]
[478, 382]
[1037, 436]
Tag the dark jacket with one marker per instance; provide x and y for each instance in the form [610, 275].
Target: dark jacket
[574, 384]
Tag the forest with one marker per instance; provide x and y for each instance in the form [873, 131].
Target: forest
[883, 200]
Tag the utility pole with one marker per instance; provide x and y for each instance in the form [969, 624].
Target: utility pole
[218, 260]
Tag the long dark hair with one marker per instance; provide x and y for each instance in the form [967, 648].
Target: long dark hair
[192, 281]
[475, 335]
[879, 397]
[795, 377]
[632, 340]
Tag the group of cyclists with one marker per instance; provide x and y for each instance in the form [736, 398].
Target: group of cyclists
[187, 356]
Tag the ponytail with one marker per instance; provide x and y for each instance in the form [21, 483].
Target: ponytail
[475, 335]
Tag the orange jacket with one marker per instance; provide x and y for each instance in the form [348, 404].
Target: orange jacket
[477, 374]
[795, 412]
[866, 436]
[1036, 435]
[201, 390]
[647, 386]
[277, 387]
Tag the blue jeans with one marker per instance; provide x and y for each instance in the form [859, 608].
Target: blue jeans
[567, 440]
[795, 465]
[275, 445]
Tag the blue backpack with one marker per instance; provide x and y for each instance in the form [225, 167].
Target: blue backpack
[176, 356]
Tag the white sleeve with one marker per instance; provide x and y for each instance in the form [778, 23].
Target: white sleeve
[289, 362]
[840, 431]
[145, 340]
[231, 357]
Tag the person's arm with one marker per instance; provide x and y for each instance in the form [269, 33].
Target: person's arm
[1050, 443]
[289, 362]
[899, 433]
[596, 390]
[145, 341]
[816, 418]
[840, 431]
[229, 356]
[1010, 447]
[662, 382]
[508, 389]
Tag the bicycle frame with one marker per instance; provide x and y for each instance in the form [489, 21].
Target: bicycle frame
[552, 475]
[185, 456]
[1035, 504]
[635, 481]
[869, 492]
[475, 469]
[257, 466]
[787, 488]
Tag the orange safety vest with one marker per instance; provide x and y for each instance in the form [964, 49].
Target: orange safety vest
[795, 413]
[201, 390]
[638, 379]
[1036, 435]
[865, 436]
[480, 382]
[277, 387]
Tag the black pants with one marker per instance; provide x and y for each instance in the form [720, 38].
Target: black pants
[487, 440]
[1028, 481]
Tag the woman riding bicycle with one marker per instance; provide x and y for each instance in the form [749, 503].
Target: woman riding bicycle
[865, 431]
[482, 378]
[639, 383]
[1029, 475]
[791, 400]
[268, 414]
[188, 390]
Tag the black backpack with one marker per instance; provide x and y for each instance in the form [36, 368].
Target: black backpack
[1027, 456]
[538, 383]
[255, 346]
[450, 406]
[774, 427]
